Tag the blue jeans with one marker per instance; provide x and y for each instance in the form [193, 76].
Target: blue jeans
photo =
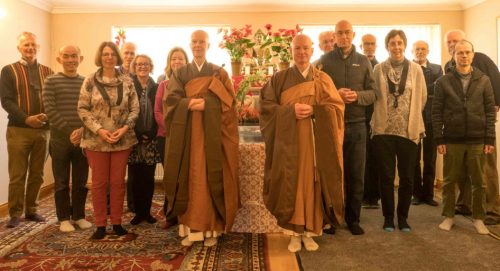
[354, 169]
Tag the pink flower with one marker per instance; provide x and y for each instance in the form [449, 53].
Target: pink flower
[268, 27]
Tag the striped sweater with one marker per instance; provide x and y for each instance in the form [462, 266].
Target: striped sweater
[60, 99]
[20, 97]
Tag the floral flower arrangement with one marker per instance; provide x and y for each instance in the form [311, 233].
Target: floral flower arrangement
[280, 42]
[120, 37]
[237, 41]
[246, 104]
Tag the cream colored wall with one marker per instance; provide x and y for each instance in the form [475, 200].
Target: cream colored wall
[483, 34]
[88, 30]
[481, 27]
[19, 17]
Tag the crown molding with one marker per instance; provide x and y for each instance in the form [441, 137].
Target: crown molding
[47, 5]
[257, 8]
[41, 4]
[471, 3]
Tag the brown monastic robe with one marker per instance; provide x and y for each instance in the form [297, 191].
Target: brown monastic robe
[201, 155]
[303, 179]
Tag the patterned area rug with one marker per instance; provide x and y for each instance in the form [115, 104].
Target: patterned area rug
[41, 246]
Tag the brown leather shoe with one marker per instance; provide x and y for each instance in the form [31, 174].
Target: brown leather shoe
[13, 222]
[35, 218]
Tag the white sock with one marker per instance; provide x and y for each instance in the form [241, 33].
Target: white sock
[294, 244]
[66, 226]
[446, 224]
[309, 243]
[210, 241]
[83, 224]
[186, 242]
[480, 227]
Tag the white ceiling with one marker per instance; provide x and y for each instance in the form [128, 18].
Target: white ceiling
[109, 6]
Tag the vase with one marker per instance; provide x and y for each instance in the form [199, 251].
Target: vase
[284, 65]
[236, 68]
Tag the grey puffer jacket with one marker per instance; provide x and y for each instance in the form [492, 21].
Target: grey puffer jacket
[464, 117]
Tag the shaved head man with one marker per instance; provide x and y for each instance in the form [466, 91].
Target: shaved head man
[203, 93]
[352, 74]
[288, 102]
[60, 98]
[326, 41]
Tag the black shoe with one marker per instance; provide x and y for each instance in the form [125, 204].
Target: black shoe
[403, 225]
[330, 230]
[99, 233]
[136, 220]
[462, 210]
[35, 218]
[150, 219]
[388, 225]
[13, 222]
[416, 201]
[490, 221]
[356, 229]
[431, 202]
[119, 230]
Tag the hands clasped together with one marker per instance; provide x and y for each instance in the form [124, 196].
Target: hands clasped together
[303, 111]
[112, 137]
[196, 104]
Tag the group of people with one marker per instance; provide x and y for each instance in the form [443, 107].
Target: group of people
[335, 130]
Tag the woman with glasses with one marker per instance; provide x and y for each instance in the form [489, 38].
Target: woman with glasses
[145, 155]
[397, 126]
[109, 107]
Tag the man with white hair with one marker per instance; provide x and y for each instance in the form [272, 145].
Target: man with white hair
[21, 85]
[488, 67]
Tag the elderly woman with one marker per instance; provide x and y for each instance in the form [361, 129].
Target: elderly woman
[397, 126]
[177, 57]
[144, 155]
[109, 107]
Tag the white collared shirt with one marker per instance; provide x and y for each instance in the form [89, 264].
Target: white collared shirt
[306, 71]
[199, 67]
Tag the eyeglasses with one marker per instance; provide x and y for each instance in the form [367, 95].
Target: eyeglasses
[108, 55]
[143, 64]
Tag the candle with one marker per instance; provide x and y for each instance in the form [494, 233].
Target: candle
[247, 70]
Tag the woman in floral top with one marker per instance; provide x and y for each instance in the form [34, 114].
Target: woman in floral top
[108, 107]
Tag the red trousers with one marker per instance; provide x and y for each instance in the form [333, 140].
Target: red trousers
[108, 170]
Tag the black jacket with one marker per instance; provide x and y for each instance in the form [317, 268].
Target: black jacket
[152, 87]
[431, 73]
[464, 118]
[488, 67]
[354, 72]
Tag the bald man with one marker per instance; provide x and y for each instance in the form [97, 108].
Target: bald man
[21, 85]
[423, 183]
[60, 98]
[326, 41]
[202, 125]
[353, 75]
[488, 67]
[303, 169]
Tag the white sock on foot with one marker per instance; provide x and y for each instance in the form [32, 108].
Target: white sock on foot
[294, 244]
[66, 226]
[446, 224]
[83, 224]
[309, 243]
[480, 227]
[186, 242]
[210, 241]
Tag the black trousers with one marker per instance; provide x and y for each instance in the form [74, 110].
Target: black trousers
[390, 148]
[354, 149]
[143, 185]
[68, 158]
[423, 188]
[372, 183]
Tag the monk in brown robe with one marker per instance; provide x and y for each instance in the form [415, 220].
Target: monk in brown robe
[302, 122]
[201, 155]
